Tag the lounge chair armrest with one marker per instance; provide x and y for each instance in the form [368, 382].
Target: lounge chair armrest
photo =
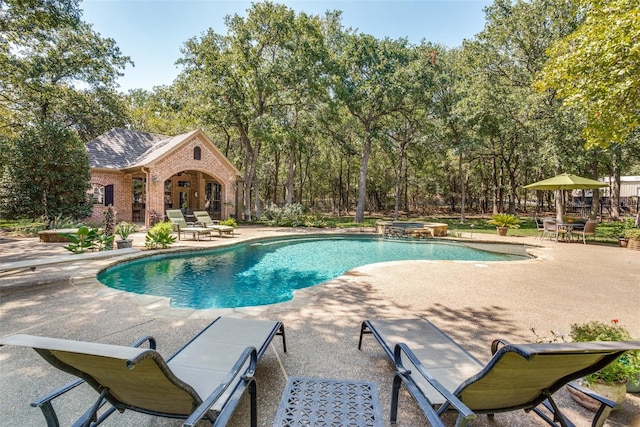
[43, 400]
[600, 398]
[452, 400]
[251, 354]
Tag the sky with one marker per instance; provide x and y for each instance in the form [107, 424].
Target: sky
[152, 32]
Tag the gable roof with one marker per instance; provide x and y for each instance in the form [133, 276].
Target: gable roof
[126, 149]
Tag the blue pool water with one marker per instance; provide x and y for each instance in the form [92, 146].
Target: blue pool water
[268, 272]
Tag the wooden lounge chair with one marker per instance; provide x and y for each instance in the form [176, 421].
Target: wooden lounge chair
[203, 380]
[441, 375]
[181, 226]
[203, 218]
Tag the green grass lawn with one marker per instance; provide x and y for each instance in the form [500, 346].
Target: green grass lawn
[606, 232]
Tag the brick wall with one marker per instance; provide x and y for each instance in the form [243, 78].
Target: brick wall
[122, 194]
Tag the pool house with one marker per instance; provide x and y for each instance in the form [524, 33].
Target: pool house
[143, 174]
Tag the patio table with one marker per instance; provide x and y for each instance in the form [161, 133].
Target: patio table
[568, 227]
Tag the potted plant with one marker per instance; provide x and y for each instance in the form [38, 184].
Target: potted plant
[123, 230]
[503, 222]
[611, 381]
[633, 234]
[621, 228]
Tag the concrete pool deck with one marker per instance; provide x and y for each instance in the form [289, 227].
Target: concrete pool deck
[473, 302]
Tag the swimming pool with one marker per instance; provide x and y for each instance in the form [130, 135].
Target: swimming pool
[267, 272]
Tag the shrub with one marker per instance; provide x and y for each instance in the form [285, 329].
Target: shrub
[632, 233]
[88, 239]
[626, 368]
[230, 221]
[290, 215]
[159, 236]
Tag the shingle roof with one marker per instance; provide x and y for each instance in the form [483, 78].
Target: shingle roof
[123, 148]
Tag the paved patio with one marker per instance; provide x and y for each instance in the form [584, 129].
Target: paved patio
[473, 302]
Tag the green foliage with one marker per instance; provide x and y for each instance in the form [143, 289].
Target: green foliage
[632, 233]
[124, 229]
[626, 368]
[229, 221]
[41, 76]
[595, 69]
[64, 222]
[293, 215]
[159, 236]
[103, 242]
[46, 175]
[289, 215]
[22, 227]
[88, 239]
[505, 220]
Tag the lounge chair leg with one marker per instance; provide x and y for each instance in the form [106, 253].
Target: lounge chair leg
[558, 417]
[50, 415]
[395, 392]
[254, 403]
[364, 329]
[284, 341]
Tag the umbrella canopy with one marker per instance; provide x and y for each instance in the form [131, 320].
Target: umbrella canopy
[566, 181]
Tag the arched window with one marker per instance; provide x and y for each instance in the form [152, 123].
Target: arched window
[197, 153]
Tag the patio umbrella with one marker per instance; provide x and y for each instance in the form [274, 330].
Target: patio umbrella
[566, 181]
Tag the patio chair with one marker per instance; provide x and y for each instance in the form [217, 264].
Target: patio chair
[551, 228]
[203, 380]
[588, 230]
[204, 218]
[441, 375]
[182, 227]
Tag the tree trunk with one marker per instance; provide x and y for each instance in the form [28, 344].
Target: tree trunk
[615, 191]
[595, 199]
[362, 179]
[276, 178]
[398, 181]
[560, 207]
[291, 173]
[463, 189]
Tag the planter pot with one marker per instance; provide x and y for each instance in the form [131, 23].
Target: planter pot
[615, 392]
[623, 242]
[502, 231]
[634, 244]
[122, 244]
[634, 387]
